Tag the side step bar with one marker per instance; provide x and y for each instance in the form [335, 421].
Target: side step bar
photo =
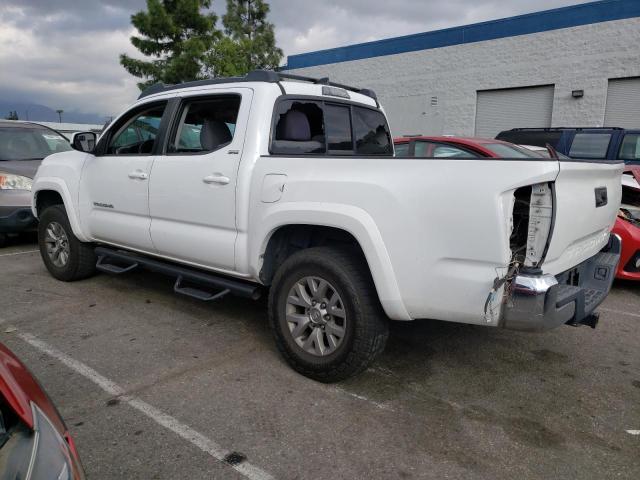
[127, 261]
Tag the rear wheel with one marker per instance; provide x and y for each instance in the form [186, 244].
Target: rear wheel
[66, 257]
[325, 314]
[3, 240]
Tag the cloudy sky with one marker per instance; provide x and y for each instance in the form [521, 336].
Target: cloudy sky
[64, 53]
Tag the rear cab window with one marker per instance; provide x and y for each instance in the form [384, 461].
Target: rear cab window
[371, 132]
[328, 127]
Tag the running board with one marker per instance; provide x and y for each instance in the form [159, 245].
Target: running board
[120, 261]
[197, 293]
[115, 269]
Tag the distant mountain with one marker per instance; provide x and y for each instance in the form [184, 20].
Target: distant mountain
[42, 113]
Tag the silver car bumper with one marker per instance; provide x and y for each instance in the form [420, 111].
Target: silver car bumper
[542, 302]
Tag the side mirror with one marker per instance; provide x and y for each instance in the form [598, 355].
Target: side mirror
[84, 141]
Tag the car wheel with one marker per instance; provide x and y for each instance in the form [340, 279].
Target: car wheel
[66, 257]
[325, 314]
[3, 240]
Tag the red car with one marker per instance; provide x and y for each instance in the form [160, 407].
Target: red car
[34, 441]
[627, 224]
[458, 147]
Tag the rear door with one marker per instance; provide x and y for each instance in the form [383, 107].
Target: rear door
[192, 192]
[587, 200]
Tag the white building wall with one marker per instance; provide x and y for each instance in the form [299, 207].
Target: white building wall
[577, 58]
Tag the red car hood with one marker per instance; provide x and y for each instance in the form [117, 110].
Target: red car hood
[19, 388]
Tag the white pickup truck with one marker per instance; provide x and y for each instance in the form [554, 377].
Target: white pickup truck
[285, 184]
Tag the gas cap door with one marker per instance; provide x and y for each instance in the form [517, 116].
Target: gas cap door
[273, 187]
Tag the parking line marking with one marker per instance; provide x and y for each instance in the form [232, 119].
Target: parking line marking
[18, 253]
[619, 312]
[163, 419]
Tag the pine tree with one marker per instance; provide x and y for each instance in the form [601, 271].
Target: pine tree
[178, 35]
[250, 42]
[13, 115]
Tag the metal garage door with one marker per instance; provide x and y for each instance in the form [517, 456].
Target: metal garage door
[499, 110]
[623, 103]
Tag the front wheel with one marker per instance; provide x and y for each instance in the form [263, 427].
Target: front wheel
[66, 257]
[325, 314]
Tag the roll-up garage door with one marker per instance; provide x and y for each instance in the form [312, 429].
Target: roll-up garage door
[623, 103]
[504, 109]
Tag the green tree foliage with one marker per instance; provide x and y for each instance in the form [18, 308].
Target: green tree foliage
[178, 35]
[249, 43]
[13, 115]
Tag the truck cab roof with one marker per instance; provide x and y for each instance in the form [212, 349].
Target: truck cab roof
[288, 84]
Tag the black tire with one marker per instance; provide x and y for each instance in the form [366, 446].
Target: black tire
[366, 324]
[3, 240]
[81, 262]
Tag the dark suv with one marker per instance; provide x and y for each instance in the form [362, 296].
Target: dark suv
[586, 143]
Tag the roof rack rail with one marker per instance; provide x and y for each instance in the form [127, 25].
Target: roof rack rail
[268, 76]
[325, 81]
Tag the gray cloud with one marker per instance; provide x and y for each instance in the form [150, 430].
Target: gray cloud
[64, 53]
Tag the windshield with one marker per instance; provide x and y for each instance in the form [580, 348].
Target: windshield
[28, 143]
[511, 151]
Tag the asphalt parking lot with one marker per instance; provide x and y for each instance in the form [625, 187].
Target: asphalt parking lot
[159, 386]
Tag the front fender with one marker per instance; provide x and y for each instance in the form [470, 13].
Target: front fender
[59, 186]
[351, 219]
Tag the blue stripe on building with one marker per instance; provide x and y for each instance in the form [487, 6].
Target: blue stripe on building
[566, 17]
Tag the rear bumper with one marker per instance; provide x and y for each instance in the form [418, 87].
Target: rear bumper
[542, 302]
[16, 219]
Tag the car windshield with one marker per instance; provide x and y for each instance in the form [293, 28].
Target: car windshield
[29, 143]
[511, 151]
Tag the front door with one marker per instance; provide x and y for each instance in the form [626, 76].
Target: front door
[114, 195]
[192, 193]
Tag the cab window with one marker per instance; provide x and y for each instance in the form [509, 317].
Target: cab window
[206, 124]
[136, 134]
[299, 128]
[319, 127]
[337, 119]
[371, 132]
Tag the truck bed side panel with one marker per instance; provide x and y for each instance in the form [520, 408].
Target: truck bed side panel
[445, 224]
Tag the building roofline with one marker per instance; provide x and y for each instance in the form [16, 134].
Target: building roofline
[537, 22]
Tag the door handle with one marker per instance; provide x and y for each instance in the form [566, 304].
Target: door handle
[216, 178]
[138, 175]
